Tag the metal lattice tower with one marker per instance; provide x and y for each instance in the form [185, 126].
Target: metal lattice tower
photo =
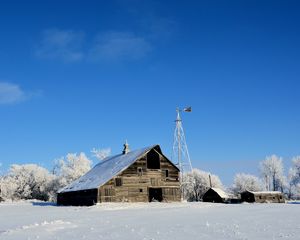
[180, 150]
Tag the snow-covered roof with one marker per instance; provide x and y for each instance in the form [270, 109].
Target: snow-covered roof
[220, 192]
[106, 170]
[265, 192]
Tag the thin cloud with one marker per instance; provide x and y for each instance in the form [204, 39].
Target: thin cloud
[155, 26]
[71, 46]
[114, 46]
[11, 93]
[65, 45]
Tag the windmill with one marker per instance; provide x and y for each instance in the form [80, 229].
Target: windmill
[180, 150]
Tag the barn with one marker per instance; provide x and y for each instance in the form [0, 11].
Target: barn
[216, 195]
[142, 175]
[262, 197]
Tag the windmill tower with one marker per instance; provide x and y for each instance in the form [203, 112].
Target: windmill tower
[180, 150]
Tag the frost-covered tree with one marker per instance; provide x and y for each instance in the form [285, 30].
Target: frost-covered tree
[67, 169]
[272, 171]
[294, 179]
[292, 183]
[72, 167]
[196, 183]
[28, 181]
[243, 182]
[296, 169]
[8, 188]
[101, 154]
[297, 191]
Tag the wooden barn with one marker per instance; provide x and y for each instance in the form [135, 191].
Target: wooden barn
[142, 175]
[216, 195]
[262, 197]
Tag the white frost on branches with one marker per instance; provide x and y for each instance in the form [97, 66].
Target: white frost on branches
[272, 171]
[294, 179]
[69, 168]
[296, 168]
[101, 153]
[72, 166]
[28, 181]
[243, 182]
[196, 183]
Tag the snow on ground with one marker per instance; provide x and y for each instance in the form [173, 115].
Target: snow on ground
[149, 221]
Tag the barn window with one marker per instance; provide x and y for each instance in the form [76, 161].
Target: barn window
[153, 160]
[107, 192]
[118, 182]
[167, 173]
[141, 190]
[153, 181]
[140, 171]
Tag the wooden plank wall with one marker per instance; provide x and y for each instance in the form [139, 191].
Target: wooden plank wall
[135, 185]
[269, 197]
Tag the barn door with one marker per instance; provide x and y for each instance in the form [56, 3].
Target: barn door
[155, 194]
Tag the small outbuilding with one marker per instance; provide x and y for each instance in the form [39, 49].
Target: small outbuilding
[262, 197]
[216, 195]
[143, 175]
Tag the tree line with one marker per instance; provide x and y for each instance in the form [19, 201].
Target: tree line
[272, 178]
[30, 181]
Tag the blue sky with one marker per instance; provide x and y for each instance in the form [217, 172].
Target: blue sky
[79, 75]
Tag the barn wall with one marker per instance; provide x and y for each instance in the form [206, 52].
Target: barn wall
[212, 196]
[135, 184]
[274, 198]
[247, 197]
[78, 198]
[262, 197]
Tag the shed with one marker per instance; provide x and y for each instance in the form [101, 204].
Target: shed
[142, 175]
[262, 197]
[216, 195]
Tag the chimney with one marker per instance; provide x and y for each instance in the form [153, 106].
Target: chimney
[126, 148]
[210, 181]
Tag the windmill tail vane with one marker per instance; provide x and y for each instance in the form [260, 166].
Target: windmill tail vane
[187, 109]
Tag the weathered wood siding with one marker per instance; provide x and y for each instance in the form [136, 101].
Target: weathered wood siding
[275, 198]
[262, 197]
[136, 183]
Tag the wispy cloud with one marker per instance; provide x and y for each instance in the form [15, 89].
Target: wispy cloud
[114, 46]
[68, 46]
[11, 93]
[148, 19]
[61, 44]
[72, 46]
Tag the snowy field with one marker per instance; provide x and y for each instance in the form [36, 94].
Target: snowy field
[26, 220]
